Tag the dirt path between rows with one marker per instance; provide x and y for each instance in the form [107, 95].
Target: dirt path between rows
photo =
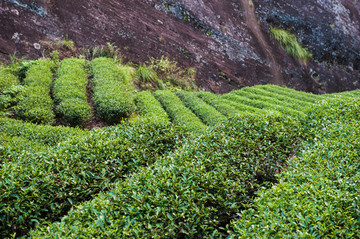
[253, 26]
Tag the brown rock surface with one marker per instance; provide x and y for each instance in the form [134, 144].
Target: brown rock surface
[227, 41]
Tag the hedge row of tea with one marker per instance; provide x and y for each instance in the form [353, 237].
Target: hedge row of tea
[208, 114]
[9, 88]
[36, 105]
[178, 112]
[195, 191]
[318, 194]
[42, 186]
[149, 107]
[70, 92]
[112, 96]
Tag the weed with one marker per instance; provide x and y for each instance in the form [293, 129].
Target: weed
[289, 42]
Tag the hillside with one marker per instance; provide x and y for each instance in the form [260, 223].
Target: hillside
[229, 43]
[263, 161]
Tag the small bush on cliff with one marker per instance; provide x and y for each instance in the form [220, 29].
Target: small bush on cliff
[290, 44]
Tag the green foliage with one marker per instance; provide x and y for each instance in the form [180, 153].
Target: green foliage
[226, 108]
[279, 98]
[291, 93]
[108, 51]
[263, 102]
[290, 44]
[318, 194]
[193, 192]
[178, 112]
[36, 104]
[146, 74]
[149, 107]
[7, 79]
[43, 134]
[162, 73]
[208, 114]
[70, 92]
[23, 140]
[9, 90]
[112, 97]
[39, 187]
[129, 73]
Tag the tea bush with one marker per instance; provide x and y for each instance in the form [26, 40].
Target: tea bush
[112, 97]
[194, 192]
[36, 104]
[291, 93]
[70, 92]
[178, 112]
[226, 108]
[7, 80]
[208, 114]
[9, 90]
[318, 194]
[279, 98]
[263, 102]
[149, 107]
[44, 186]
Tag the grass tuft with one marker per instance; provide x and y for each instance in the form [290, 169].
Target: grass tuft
[290, 43]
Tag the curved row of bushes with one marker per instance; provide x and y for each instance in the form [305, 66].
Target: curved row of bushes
[44, 134]
[112, 97]
[219, 104]
[178, 112]
[318, 194]
[7, 79]
[264, 102]
[279, 98]
[291, 93]
[208, 114]
[36, 105]
[22, 140]
[43, 187]
[9, 89]
[149, 107]
[194, 192]
[70, 92]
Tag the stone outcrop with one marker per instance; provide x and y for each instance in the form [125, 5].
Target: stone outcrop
[228, 42]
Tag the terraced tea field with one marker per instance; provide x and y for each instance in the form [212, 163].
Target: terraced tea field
[171, 163]
[79, 91]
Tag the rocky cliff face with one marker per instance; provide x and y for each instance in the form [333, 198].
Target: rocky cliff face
[227, 41]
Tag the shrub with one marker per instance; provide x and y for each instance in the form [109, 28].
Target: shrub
[146, 74]
[113, 99]
[36, 104]
[70, 92]
[291, 93]
[193, 192]
[43, 134]
[149, 107]
[128, 74]
[44, 186]
[263, 102]
[178, 112]
[7, 80]
[208, 114]
[317, 196]
[279, 98]
[226, 108]
[289, 42]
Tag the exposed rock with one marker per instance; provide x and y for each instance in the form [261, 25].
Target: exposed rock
[228, 44]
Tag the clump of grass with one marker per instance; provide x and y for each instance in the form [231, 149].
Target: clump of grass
[146, 74]
[290, 43]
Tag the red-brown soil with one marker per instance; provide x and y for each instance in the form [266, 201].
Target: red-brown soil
[226, 41]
